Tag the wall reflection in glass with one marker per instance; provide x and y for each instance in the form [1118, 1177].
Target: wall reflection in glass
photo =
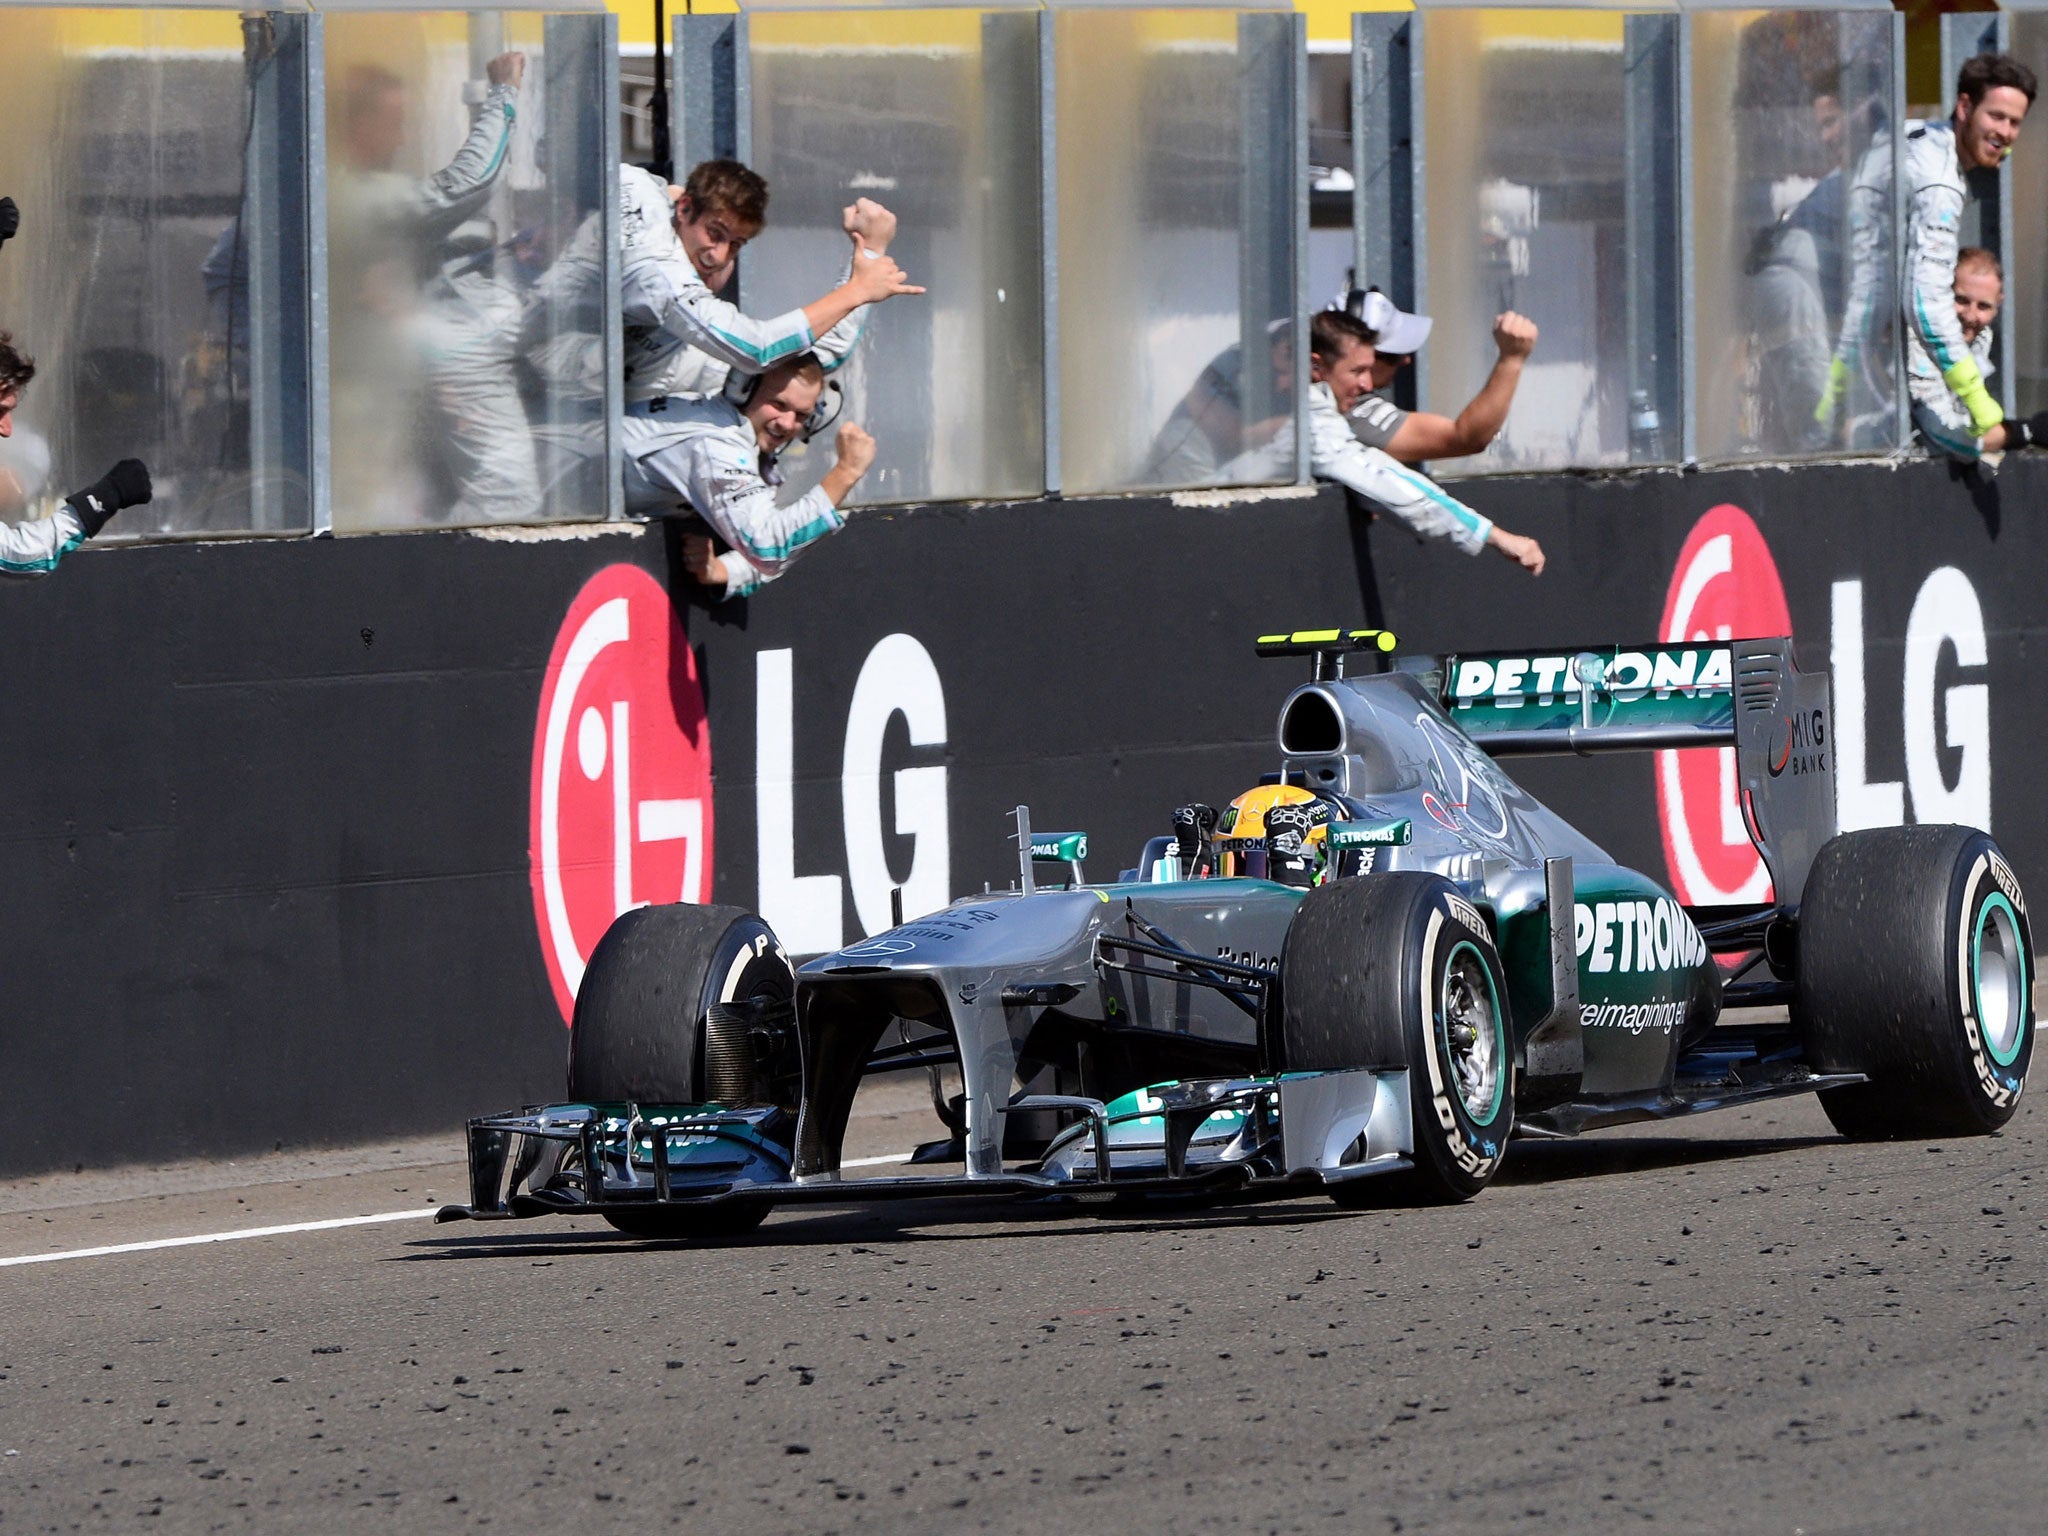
[933, 113]
[1176, 226]
[137, 141]
[461, 159]
[1793, 231]
[1550, 183]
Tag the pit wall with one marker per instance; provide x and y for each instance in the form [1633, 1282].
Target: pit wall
[306, 841]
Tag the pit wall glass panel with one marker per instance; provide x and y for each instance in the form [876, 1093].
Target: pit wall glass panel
[1795, 256]
[1551, 190]
[1174, 177]
[158, 279]
[2025, 318]
[466, 267]
[935, 115]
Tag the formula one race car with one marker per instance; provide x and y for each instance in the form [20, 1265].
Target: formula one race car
[1379, 965]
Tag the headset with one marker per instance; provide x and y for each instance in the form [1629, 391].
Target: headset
[740, 389]
[1368, 305]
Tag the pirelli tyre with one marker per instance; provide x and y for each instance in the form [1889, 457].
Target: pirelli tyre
[1399, 970]
[1915, 967]
[638, 1033]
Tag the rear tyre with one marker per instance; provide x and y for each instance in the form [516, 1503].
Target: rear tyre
[1916, 969]
[1399, 970]
[638, 1034]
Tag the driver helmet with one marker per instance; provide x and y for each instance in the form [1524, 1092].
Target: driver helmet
[1240, 841]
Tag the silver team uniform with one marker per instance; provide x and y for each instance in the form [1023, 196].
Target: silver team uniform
[704, 454]
[1935, 194]
[460, 326]
[686, 448]
[1335, 453]
[681, 338]
[1938, 415]
[1867, 306]
[34, 548]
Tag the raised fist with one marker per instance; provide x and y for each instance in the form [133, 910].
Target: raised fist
[1514, 334]
[856, 449]
[870, 224]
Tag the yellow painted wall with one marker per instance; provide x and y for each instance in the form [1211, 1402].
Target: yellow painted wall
[1328, 20]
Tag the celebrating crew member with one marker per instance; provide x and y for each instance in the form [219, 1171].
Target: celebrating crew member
[1938, 415]
[1415, 437]
[1340, 366]
[681, 246]
[33, 548]
[1993, 94]
[716, 458]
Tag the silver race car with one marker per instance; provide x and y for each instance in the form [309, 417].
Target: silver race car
[1364, 977]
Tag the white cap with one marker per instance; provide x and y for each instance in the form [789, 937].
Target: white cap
[1395, 330]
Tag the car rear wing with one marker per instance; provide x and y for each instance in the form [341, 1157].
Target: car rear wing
[1627, 698]
[1745, 694]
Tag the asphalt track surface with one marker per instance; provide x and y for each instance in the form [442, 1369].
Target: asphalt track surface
[1738, 1324]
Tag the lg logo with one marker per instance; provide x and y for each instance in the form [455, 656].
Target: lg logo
[807, 910]
[1946, 623]
[1725, 587]
[621, 801]
[621, 791]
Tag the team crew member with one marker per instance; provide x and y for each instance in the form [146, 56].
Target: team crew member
[1414, 437]
[681, 245]
[408, 279]
[716, 458]
[34, 548]
[1937, 414]
[1340, 366]
[1993, 93]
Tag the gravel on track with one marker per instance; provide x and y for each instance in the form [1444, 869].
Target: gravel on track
[1738, 1324]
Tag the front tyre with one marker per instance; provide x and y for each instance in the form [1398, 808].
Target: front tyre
[1399, 970]
[638, 1034]
[1916, 969]
[644, 1031]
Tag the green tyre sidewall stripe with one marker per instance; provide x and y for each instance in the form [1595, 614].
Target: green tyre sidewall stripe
[1500, 1045]
[2022, 1001]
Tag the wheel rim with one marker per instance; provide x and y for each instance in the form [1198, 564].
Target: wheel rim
[1998, 973]
[1470, 1034]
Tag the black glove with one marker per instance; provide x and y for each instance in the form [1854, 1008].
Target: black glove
[2030, 433]
[10, 219]
[125, 485]
[1289, 859]
[1192, 827]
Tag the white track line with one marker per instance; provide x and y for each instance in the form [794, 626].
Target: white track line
[216, 1237]
[302, 1226]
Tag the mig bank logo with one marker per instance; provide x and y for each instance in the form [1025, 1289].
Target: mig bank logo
[1725, 587]
[1798, 744]
[621, 803]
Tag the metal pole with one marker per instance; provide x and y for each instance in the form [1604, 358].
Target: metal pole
[614, 259]
[1049, 237]
[320, 465]
[1688, 332]
[657, 104]
[1902, 411]
[1303, 300]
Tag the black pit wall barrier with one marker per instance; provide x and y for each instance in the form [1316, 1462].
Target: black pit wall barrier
[270, 812]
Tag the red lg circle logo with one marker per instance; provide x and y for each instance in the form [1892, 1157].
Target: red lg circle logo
[621, 813]
[1725, 587]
